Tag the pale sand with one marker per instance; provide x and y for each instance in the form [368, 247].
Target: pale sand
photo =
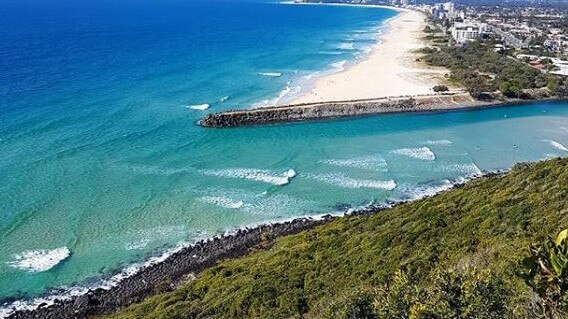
[390, 70]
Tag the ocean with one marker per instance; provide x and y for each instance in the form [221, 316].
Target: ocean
[103, 166]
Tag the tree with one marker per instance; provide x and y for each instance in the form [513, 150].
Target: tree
[510, 88]
[552, 84]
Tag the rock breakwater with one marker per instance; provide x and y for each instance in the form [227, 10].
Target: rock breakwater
[340, 109]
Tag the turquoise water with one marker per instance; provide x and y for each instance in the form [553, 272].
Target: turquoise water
[103, 165]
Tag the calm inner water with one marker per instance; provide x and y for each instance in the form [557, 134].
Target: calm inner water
[102, 164]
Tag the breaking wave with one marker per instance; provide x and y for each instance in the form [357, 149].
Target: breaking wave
[557, 145]
[199, 107]
[367, 163]
[422, 153]
[420, 191]
[289, 90]
[348, 182]
[469, 169]
[39, 260]
[258, 175]
[222, 202]
[338, 66]
[271, 74]
[141, 238]
[346, 46]
[331, 52]
[438, 142]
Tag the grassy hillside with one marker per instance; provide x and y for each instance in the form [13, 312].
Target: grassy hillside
[456, 255]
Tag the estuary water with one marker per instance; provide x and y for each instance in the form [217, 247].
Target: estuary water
[102, 164]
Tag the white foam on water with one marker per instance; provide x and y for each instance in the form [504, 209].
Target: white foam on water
[469, 168]
[271, 74]
[346, 46]
[224, 98]
[137, 245]
[156, 170]
[141, 238]
[289, 90]
[275, 205]
[338, 66]
[331, 52]
[199, 107]
[368, 163]
[222, 202]
[418, 192]
[348, 182]
[421, 153]
[438, 142]
[39, 260]
[548, 156]
[557, 145]
[258, 175]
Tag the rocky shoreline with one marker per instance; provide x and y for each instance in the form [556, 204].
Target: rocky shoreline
[166, 275]
[186, 263]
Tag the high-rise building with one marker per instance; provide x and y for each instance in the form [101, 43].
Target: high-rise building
[463, 32]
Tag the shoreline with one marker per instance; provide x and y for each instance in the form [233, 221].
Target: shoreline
[382, 72]
[338, 4]
[184, 263]
[307, 83]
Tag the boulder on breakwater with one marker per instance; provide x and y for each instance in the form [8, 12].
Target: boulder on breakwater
[340, 109]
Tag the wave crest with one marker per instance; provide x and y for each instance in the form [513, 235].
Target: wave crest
[438, 142]
[367, 163]
[199, 107]
[557, 145]
[258, 175]
[39, 260]
[348, 182]
[222, 201]
[271, 74]
[421, 153]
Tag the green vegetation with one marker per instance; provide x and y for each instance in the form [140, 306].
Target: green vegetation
[440, 88]
[461, 254]
[546, 272]
[480, 69]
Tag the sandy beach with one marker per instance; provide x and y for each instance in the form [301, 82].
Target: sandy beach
[389, 70]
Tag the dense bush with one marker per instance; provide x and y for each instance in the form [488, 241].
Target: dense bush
[479, 69]
[455, 255]
[546, 272]
[440, 88]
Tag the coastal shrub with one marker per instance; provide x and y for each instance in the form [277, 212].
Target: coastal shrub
[352, 303]
[452, 293]
[440, 88]
[455, 255]
[545, 270]
[510, 88]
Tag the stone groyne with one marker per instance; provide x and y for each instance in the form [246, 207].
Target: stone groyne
[340, 109]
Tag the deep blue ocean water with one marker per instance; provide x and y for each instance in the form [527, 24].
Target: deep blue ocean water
[102, 164]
